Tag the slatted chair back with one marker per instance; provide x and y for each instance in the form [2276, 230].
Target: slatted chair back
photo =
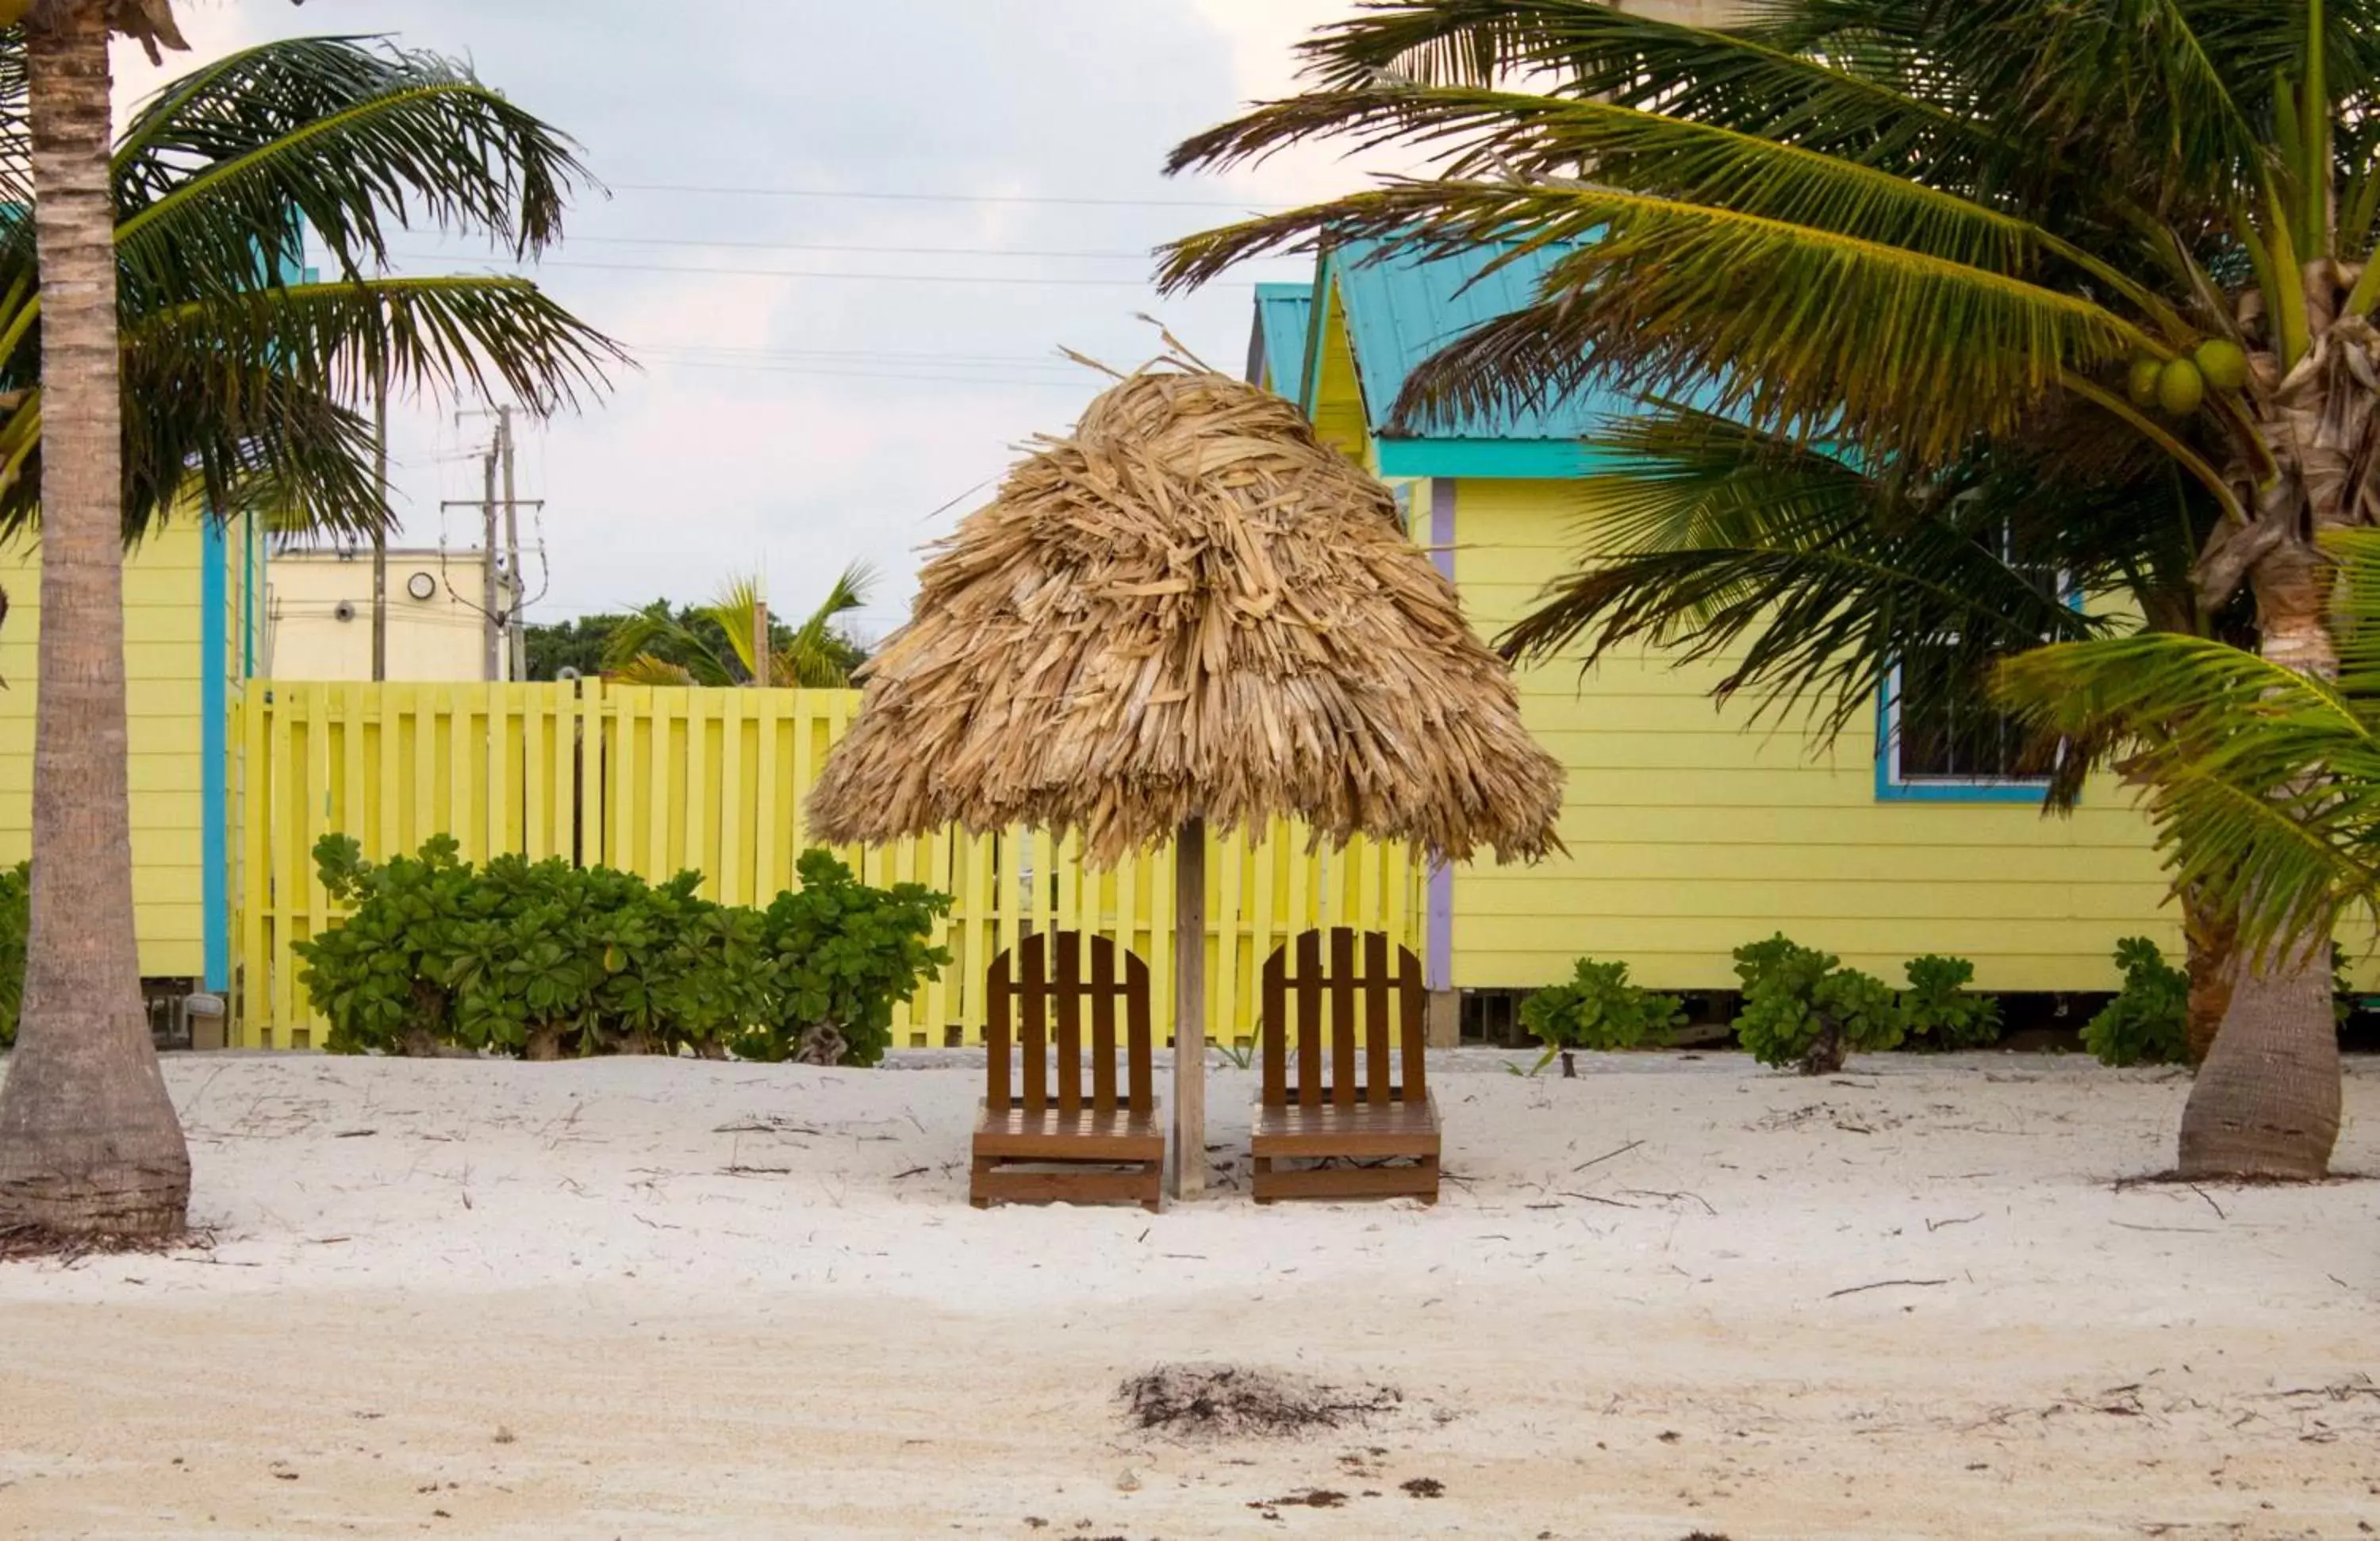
[1045, 995]
[1342, 997]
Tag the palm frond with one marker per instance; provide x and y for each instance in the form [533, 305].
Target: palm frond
[651, 632]
[2263, 782]
[16, 140]
[1587, 50]
[1813, 580]
[812, 659]
[2161, 100]
[1514, 137]
[1904, 354]
[736, 611]
[480, 335]
[351, 138]
[645, 669]
[2263, 785]
[247, 388]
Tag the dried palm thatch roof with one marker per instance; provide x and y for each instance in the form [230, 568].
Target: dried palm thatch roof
[1190, 608]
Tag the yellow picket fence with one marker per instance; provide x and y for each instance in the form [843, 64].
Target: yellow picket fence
[656, 781]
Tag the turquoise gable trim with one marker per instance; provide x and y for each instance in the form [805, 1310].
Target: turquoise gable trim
[1505, 459]
[215, 668]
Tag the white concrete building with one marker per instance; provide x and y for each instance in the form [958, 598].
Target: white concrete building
[317, 623]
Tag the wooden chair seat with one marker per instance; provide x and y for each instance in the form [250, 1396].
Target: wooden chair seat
[1053, 1133]
[1356, 1130]
[1345, 1108]
[1058, 1135]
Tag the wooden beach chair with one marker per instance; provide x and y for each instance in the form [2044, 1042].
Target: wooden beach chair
[1346, 1111]
[1049, 1137]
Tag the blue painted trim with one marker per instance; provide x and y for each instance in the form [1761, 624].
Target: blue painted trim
[214, 729]
[1890, 789]
[1496, 459]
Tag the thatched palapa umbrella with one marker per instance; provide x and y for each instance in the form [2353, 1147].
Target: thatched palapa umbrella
[1190, 613]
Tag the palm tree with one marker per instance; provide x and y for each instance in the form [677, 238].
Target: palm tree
[1818, 580]
[1908, 226]
[152, 356]
[653, 647]
[2222, 740]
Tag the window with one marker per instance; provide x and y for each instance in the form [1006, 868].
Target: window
[1941, 736]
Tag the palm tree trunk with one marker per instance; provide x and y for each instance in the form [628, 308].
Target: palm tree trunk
[2212, 936]
[89, 1141]
[2266, 1101]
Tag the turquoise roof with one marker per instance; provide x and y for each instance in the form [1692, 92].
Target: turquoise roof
[1405, 308]
[1284, 319]
[1400, 312]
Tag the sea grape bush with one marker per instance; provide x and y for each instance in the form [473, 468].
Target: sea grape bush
[544, 960]
[1803, 1007]
[1596, 1009]
[2146, 1022]
[1938, 1008]
[15, 920]
[845, 953]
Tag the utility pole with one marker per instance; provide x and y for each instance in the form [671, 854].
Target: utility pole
[491, 604]
[760, 638]
[511, 551]
[379, 527]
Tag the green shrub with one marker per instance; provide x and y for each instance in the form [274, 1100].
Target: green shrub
[2146, 1024]
[544, 960]
[1599, 1010]
[845, 954]
[1940, 1012]
[1802, 1007]
[14, 918]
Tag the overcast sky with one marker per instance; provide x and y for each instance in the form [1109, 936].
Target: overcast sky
[799, 423]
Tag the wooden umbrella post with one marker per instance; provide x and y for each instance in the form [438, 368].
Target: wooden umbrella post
[1190, 1009]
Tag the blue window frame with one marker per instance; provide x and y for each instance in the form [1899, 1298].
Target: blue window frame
[1940, 740]
[1952, 748]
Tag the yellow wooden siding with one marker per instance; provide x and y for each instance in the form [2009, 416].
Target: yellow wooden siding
[162, 625]
[1692, 831]
[654, 780]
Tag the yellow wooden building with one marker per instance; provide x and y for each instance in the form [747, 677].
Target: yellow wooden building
[1690, 830]
[190, 629]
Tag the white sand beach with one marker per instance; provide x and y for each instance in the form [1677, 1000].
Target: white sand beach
[1677, 1294]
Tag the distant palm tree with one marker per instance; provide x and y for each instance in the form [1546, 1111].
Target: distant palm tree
[151, 354]
[653, 647]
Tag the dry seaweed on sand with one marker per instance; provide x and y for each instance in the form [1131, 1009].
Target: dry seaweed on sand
[1190, 607]
[33, 1243]
[1227, 1402]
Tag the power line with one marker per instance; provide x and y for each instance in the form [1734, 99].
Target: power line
[945, 198]
[824, 373]
[865, 354]
[943, 278]
[1140, 256]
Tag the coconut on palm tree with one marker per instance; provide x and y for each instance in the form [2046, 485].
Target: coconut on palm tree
[1910, 228]
[153, 357]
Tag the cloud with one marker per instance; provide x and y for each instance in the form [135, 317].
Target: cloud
[801, 423]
